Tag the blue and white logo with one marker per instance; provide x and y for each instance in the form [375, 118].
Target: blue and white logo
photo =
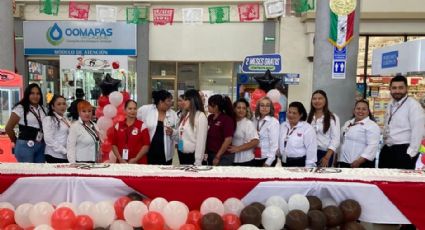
[389, 59]
[54, 35]
[339, 67]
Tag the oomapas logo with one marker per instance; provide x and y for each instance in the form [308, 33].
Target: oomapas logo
[54, 35]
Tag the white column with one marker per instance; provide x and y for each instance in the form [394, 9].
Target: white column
[6, 31]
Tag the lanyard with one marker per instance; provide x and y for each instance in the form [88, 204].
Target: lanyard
[182, 124]
[288, 134]
[398, 107]
[260, 127]
[351, 125]
[65, 122]
[92, 132]
[38, 117]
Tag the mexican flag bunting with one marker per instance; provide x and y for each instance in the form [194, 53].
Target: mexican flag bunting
[219, 14]
[342, 27]
[78, 10]
[136, 15]
[50, 7]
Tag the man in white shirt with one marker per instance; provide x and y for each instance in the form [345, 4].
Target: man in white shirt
[403, 130]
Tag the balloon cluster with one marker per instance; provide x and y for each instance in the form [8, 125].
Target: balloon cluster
[109, 112]
[136, 211]
[274, 96]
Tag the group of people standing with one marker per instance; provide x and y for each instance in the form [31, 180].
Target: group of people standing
[227, 134]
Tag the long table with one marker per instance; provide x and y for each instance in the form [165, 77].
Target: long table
[386, 196]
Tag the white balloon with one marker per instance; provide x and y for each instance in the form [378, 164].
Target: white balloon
[274, 95]
[120, 225]
[279, 202]
[68, 205]
[300, 202]
[102, 214]
[115, 98]
[328, 202]
[22, 215]
[134, 212]
[43, 227]
[84, 208]
[104, 123]
[158, 204]
[109, 111]
[7, 205]
[273, 218]
[212, 204]
[175, 214]
[248, 227]
[40, 213]
[233, 205]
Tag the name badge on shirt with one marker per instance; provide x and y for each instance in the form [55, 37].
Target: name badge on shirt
[125, 154]
[135, 132]
[39, 137]
[180, 145]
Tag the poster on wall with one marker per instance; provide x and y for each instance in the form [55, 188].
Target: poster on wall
[249, 12]
[163, 16]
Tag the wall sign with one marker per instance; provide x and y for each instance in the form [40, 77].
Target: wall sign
[261, 63]
[79, 38]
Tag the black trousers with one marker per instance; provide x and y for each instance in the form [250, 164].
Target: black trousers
[259, 162]
[248, 163]
[367, 164]
[186, 158]
[50, 159]
[396, 157]
[294, 162]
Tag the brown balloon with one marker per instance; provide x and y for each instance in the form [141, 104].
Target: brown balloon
[353, 225]
[251, 215]
[351, 210]
[315, 202]
[316, 219]
[334, 216]
[212, 221]
[258, 205]
[296, 220]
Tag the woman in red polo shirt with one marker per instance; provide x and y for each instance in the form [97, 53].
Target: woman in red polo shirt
[130, 138]
[221, 123]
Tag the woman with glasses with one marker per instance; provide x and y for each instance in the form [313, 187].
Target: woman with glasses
[268, 132]
[360, 139]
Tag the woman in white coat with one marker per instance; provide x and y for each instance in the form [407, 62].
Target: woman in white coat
[161, 122]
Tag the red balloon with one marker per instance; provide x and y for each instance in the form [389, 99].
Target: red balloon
[115, 65]
[63, 218]
[106, 147]
[277, 108]
[194, 217]
[99, 112]
[110, 133]
[188, 227]
[30, 228]
[231, 222]
[153, 221]
[119, 206]
[118, 118]
[423, 158]
[125, 96]
[13, 227]
[83, 222]
[7, 217]
[103, 100]
[258, 94]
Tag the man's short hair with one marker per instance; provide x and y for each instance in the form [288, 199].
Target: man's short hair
[399, 78]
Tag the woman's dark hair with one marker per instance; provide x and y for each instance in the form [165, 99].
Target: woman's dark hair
[368, 108]
[160, 95]
[243, 101]
[301, 109]
[328, 115]
[128, 102]
[50, 108]
[196, 104]
[25, 101]
[223, 103]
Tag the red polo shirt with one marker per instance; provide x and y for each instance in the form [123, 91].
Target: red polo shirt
[132, 137]
[219, 129]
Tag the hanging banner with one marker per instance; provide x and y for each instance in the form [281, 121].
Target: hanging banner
[249, 12]
[136, 15]
[78, 10]
[192, 16]
[163, 16]
[79, 38]
[274, 8]
[106, 13]
[342, 15]
[50, 7]
[261, 63]
[219, 14]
